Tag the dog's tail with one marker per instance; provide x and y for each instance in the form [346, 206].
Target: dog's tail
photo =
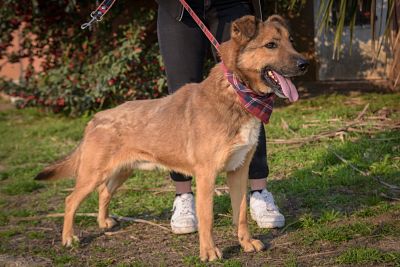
[64, 168]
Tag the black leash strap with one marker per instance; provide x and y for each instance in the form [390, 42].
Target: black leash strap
[98, 14]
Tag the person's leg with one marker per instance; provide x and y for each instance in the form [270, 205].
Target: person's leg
[258, 171]
[182, 47]
[220, 14]
[262, 205]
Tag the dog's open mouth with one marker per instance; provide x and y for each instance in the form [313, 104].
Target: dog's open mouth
[282, 87]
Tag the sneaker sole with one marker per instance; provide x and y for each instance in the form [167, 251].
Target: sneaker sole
[183, 230]
[276, 224]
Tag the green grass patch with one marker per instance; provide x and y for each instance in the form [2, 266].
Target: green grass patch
[36, 235]
[368, 256]
[132, 264]
[21, 187]
[336, 234]
[232, 263]
[291, 261]
[3, 218]
[8, 233]
[193, 261]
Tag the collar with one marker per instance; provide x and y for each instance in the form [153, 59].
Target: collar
[260, 106]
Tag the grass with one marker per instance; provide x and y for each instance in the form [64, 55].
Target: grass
[329, 207]
[368, 255]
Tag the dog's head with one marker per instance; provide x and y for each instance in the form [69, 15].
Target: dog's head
[262, 54]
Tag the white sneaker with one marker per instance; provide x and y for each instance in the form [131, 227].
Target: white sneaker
[184, 220]
[264, 211]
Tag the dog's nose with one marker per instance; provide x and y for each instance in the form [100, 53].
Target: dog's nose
[302, 64]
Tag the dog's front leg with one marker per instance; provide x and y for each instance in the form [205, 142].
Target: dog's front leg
[237, 182]
[205, 182]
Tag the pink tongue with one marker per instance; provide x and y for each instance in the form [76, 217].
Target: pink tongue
[288, 88]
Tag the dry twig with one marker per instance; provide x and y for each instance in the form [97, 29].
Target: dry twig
[117, 232]
[357, 125]
[389, 197]
[119, 218]
[318, 254]
[394, 188]
[289, 225]
[286, 126]
[361, 114]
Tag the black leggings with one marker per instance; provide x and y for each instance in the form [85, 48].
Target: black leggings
[183, 48]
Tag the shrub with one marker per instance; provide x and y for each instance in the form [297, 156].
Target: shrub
[86, 70]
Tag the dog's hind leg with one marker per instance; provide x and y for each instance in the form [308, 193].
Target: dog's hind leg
[205, 182]
[82, 189]
[106, 191]
[237, 182]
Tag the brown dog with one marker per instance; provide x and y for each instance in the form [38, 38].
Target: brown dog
[214, 134]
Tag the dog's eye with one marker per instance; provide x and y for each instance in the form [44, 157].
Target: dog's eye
[291, 39]
[271, 45]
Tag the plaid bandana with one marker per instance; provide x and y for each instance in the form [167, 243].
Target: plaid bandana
[258, 105]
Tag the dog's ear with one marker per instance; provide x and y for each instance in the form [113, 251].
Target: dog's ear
[278, 19]
[243, 29]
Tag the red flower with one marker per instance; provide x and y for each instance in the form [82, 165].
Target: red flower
[111, 82]
[61, 102]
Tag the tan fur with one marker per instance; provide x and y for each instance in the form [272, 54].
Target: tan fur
[200, 130]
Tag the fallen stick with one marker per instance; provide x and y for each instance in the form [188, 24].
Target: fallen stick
[119, 218]
[318, 254]
[390, 186]
[277, 245]
[117, 232]
[219, 191]
[389, 197]
[330, 120]
[361, 114]
[352, 126]
[378, 118]
[225, 215]
[289, 225]
[308, 139]
[348, 163]
[286, 126]
[129, 219]
[27, 228]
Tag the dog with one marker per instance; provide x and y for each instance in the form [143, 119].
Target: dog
[214, 134]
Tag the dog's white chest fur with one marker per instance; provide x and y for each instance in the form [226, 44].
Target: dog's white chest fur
[249, 138]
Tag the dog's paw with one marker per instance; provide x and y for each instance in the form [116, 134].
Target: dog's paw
[107, 223]
[252, 245]
[69, 241]
[210, 254]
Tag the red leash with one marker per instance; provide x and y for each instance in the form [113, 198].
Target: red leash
[203, 27]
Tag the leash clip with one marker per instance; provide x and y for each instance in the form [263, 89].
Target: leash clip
[96, 16]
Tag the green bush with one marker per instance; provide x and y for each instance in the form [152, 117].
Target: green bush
[84, 71]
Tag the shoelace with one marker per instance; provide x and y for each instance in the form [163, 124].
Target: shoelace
[185, 206]
[267, 200]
